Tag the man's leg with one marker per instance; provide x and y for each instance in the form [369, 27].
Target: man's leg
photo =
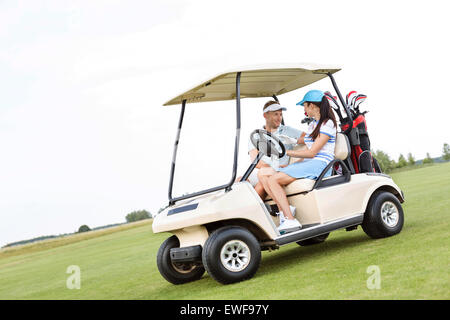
[276, 183]
[263, 176]
[253, 179]
[259, 188]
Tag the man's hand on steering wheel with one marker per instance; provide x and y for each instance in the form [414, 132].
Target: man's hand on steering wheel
[267, 144]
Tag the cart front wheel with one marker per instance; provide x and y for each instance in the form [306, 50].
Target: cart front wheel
[231, 254]
[176, 273]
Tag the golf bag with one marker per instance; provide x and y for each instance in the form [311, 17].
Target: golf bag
[361, 156]
[361, 159]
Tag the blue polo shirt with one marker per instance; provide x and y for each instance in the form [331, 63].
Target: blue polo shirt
[281, 130]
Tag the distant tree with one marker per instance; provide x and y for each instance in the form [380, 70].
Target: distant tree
[401, 161]
[411, 160]
[384, 161]
[138, 215]
[83, 228]
[446, 152]
[428, 159]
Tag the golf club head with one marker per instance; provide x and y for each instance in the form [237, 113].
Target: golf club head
[359, 99]
[334, 104]
[349, 98]
[352, 102]
[332, 100]
[307, 120]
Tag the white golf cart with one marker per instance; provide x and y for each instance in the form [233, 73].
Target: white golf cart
[223, 229]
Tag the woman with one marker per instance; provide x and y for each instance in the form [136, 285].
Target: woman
[320, 141]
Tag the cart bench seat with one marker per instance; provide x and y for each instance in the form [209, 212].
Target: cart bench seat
[341, 151]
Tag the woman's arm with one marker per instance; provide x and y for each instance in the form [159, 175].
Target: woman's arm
[310, 153]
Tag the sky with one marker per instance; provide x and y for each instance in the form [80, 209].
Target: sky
[84, 137]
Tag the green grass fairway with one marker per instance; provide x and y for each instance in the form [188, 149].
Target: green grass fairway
[121, 263]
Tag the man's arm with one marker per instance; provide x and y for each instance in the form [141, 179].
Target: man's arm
[301, 140]
[297, 134]
[253, 154]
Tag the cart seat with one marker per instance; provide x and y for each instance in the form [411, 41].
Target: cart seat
[341, 151]
[299, 185]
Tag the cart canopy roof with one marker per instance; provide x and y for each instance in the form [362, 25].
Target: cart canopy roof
[256, 81]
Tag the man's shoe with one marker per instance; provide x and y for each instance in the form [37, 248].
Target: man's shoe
[289, 225]
[282, 217]
[292, 210]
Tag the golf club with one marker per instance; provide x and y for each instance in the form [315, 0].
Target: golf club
[359, 99]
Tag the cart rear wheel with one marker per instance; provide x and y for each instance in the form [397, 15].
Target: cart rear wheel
[384, 216]
[176, 273]
[231, 254]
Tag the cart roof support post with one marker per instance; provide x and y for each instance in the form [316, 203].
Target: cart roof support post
[238, 130]
[227, 187]
[175, 147]
[347, 111]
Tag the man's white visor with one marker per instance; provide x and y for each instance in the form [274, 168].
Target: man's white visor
[274, 107]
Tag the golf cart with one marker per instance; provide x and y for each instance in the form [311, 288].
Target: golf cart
[223, 229]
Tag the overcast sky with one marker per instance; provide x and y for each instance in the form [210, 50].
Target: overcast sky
[84, 138]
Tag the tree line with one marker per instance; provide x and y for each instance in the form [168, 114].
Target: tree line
[130, 217]
[387, 164]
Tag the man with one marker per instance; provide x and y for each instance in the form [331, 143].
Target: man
[273, 114]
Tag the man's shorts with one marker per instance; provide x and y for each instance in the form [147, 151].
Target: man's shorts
[253, 178]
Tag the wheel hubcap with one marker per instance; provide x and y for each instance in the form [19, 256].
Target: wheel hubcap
[183, 267]
[389, 214]
[235, 255]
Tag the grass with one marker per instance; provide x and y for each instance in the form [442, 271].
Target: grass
[120, 263]
[60, 241]
[415, 166]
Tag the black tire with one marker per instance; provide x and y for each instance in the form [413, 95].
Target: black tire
[223, 246]
[180, 272]
[315, 240]
[374, 225]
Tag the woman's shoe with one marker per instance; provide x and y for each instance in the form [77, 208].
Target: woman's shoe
[289, 225]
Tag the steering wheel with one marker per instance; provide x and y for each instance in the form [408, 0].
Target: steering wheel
[267, 144]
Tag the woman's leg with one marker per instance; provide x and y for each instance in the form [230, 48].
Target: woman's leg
[264, 179]
[276, 183]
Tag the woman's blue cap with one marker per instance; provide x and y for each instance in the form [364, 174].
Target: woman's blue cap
[312, 96]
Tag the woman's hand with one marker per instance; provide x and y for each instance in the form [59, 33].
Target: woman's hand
[310, 153]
